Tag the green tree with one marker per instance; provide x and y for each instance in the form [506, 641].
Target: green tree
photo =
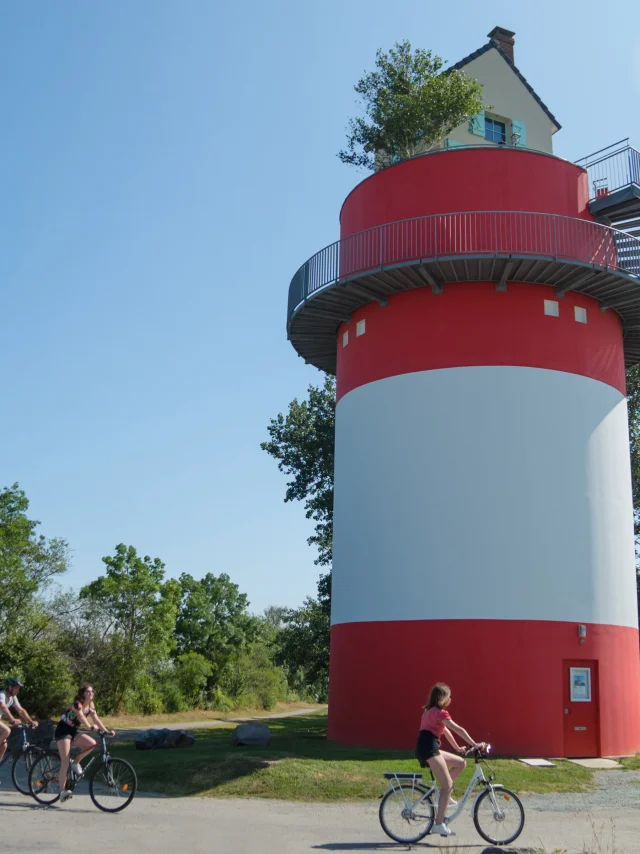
[28, 563]
[410, 104]
[136, 611]
[213, 621]
[633, 402]
[253, 680]
[192, 671]
[28, 639]
[303, 443]
[302, 646]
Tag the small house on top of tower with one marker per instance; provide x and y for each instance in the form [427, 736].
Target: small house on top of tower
[517, 116]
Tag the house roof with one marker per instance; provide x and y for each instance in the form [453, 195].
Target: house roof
[493, 45]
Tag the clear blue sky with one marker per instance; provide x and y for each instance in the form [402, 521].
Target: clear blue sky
[166, 167]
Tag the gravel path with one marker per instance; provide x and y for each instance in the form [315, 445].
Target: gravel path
[615, 789]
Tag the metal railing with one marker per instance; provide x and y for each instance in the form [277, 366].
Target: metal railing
[611, 169]
[456, 235]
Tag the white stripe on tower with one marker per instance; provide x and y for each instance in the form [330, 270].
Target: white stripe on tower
[488, 492]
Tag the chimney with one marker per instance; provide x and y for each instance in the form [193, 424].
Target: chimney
[504, 39]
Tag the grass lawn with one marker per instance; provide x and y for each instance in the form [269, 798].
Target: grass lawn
[196, 715]
[632, 763]
[301, 765]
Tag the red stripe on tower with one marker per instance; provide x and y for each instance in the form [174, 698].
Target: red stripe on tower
[473, 324]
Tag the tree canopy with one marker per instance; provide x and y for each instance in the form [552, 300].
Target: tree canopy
[303, 443]
[410, 103]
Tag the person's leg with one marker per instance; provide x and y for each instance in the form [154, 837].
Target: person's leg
[455, 764]
[441, 773]
[64, 749]
[86, 745]
[4, 735]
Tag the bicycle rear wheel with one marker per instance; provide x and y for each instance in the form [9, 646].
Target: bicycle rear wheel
[498, 816]
[403, 817]
[22, 763]
[43, 778]
[113, 786]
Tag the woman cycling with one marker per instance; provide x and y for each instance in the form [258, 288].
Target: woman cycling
[67, 732]
[446, 767]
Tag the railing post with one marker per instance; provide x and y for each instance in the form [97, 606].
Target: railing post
[380, 244]
[555, 238]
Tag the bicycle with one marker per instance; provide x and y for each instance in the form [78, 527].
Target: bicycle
[23, 760]
[112, 786]
[410, 801]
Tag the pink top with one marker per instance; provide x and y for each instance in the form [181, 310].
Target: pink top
[434, 720]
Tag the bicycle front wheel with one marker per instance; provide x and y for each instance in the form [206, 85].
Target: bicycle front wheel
[43, 778]
[22, 763]
[113, 786]
[498, 816]
[402, 814]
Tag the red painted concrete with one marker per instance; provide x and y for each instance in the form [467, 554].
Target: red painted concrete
[506, 679]
[477, 179]
[473, 324]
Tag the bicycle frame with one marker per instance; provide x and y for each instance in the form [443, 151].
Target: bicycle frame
[478, 778]
[72, 777]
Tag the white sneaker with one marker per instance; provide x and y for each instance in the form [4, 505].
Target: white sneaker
[76, 768]
[66, 795]
[452, 803]
[443, 830]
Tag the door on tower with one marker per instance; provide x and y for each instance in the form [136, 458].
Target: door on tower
[581, 718]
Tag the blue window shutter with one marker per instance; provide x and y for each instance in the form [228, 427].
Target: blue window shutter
[521, 128]
[476, 124]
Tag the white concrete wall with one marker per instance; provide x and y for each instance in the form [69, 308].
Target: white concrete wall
[486, 493]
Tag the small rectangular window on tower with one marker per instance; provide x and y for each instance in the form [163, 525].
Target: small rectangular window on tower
[361, 327]
[552, 307]
[345, 338]
[580, 314]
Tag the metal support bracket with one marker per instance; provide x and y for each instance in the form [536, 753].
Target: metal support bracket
[501, 284]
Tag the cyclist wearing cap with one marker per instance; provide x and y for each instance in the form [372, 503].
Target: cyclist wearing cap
[10, 706]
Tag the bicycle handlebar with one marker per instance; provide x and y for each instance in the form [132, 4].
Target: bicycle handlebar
[478, 752]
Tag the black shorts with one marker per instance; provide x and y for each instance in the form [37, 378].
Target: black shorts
[63, 730]
[427, 746]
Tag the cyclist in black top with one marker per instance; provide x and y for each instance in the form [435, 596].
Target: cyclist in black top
[67, 733]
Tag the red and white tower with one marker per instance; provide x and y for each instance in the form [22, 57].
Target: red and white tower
[478, 321]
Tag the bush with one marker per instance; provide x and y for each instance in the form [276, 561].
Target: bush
[192, 671]
[49, 685]
[173, 699]
[254, 681]
[144, 698]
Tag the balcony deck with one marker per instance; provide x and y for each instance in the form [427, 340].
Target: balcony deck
[436, 251]
[614, 182]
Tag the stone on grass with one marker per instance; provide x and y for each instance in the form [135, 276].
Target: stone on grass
[163, 739]
[251, 735]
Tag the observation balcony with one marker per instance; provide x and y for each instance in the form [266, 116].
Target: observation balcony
[436, 251]
[614, 182]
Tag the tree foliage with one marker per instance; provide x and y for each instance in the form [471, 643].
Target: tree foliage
[213, 621]
[136, 611]
[29, 645]
[303, 443]
[302, 645]
[633, 403]
[410, 104]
